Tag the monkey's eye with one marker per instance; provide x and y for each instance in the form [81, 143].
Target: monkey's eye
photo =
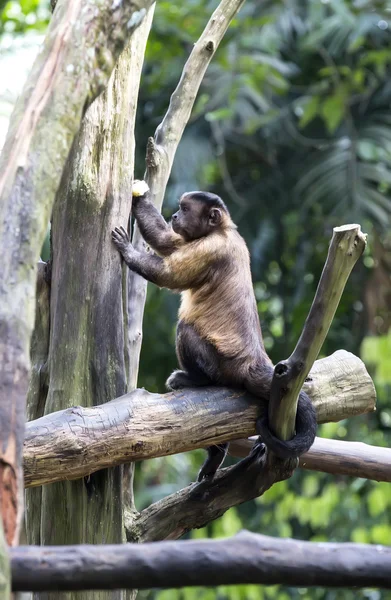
[184, 208]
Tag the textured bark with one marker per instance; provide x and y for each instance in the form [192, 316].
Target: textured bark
[346, 247]
[83, 42]
[5, 571]
[38, 386]
[244, 558]
[88, 355]
[162, 147]
[336, 457]
[78, 441]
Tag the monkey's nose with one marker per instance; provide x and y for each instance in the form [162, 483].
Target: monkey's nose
[175, 216]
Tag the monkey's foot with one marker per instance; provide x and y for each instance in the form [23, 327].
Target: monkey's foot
[258, 449]
[178, 380]
[215, 458]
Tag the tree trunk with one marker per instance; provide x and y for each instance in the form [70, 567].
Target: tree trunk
[88, 352]
[5, 574]
[69, 72]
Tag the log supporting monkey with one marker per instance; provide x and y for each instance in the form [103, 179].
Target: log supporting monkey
[201, 255]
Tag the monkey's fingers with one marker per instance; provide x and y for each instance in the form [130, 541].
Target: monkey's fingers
[120, 233]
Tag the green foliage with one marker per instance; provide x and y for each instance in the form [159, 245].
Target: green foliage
[295, 107]
[376, 352]
[22, 16]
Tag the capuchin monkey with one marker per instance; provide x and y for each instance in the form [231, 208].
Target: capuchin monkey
[201, 255]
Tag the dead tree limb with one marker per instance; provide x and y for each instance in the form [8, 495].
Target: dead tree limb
[336, 457]
[75, 442]
[162, 147]
[346, 247]
[83, 42]
[244, 558]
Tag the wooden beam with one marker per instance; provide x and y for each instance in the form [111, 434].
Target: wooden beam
[245, 558]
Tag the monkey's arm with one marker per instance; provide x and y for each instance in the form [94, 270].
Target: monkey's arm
[154, 229]
[151, 267]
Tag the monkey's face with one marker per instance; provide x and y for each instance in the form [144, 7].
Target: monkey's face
[195, 218]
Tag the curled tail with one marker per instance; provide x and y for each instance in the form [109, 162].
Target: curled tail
[305, 431]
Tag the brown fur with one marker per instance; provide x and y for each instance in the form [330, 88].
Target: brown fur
[212, 307]
[219, 338]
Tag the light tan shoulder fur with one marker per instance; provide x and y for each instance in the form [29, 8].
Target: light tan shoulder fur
[223, 308]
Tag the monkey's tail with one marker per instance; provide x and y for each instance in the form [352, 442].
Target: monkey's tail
[305, 431]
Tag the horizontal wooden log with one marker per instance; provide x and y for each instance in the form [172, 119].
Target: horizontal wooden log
[75, 442]
[245, 558]
[336, 457]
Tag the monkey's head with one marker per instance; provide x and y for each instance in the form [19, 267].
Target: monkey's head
[199, 214]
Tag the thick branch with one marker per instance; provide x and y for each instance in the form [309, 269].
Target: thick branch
[162, 147]
[336, 457]
[347, 245]
[78, 441]
[245, 558]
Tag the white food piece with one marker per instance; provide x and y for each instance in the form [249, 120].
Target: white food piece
[139, 188]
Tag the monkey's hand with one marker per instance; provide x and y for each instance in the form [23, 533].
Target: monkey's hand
[120, 237]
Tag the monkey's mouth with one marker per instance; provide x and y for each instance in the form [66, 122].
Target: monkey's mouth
[174, 225]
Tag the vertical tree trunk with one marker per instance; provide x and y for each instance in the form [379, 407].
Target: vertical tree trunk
[83, 41]
[5, 575]
[88, 353]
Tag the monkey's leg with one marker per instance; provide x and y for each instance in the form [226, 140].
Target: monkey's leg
[216, 456]
[199, 362]
[182, 379]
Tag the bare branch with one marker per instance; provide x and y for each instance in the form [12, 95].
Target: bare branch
[244, 558]
[162, 147]
[336, 457]
[78, 441]
[346, 247]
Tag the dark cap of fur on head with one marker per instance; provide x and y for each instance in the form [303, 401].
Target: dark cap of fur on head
[209, 199]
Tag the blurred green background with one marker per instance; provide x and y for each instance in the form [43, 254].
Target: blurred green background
[292, 127]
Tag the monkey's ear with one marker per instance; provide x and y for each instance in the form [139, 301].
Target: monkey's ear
[215, 217]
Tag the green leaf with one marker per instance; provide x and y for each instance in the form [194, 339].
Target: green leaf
[377, 502]
[360, 535]
[381, 534]
[311, 110]
[219, 115]
[333, 110]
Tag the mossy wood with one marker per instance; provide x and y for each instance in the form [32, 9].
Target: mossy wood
[88, 354]
[82, 44]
